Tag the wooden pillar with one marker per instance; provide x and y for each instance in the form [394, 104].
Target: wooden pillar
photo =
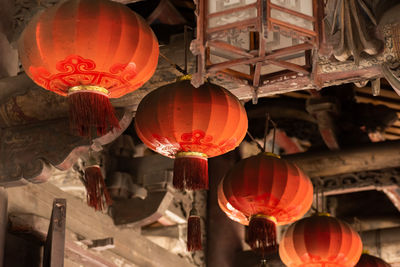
[224, 236]
[8, 54]
[3, 222]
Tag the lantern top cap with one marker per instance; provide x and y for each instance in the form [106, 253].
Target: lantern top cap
[326, 214]
[270, 154]
[186, 77]
[365, 252]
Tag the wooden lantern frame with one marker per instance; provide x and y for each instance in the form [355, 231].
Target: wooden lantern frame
[257, 56]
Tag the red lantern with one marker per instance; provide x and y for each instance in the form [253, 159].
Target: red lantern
[367, 260]
[191, 124]
[320, 241]
[230, 211]
[268, 191]
[89, 50]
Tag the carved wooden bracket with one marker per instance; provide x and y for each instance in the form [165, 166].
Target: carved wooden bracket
[29, 152]
[35, 133]
[358, 181]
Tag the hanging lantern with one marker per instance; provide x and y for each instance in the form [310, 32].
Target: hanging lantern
[230, 211]
[320, 241]
[367, 260]
[191, 124]
[90, 51]
[268, 191]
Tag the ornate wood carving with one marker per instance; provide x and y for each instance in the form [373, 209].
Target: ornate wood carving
[359, 181]
[29, 152]
[385, 180]
[351, 29]
[391, 67]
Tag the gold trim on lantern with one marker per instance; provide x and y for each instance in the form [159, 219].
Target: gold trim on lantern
[327, 214]
[88, 88]
[270, 218]
[190, 154]
[271, 155]
[186, 77]
[366, 251]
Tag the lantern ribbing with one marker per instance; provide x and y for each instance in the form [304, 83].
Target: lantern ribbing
[320, 240]
[90, 51]
[264, 191]
[191, 124]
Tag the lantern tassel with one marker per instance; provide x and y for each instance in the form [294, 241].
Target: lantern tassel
[97, 192]
[90, 110]
[190, 171]
[194, 231]
[262, 234]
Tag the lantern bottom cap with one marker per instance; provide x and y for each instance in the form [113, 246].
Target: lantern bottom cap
[190, 154]
[88, 89]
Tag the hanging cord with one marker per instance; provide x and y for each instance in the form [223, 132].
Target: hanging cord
[317, 198]
[255, 141]
[89, 160]
[194, 199]
[273, 135]
[184, 71]
[266, 131]
[186, 44]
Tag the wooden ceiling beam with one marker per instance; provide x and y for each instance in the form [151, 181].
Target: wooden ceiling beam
[89, 224]
[373, 156]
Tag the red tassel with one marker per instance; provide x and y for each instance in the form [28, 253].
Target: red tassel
[194, 231]
[262, 234]
[190, 171]
[88, 110]
[97, 192]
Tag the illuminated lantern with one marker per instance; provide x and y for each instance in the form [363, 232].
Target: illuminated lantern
[320, 241]
[191, 124]
[367, 260]
[230, 211]
[90, 51]
[264, 191]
